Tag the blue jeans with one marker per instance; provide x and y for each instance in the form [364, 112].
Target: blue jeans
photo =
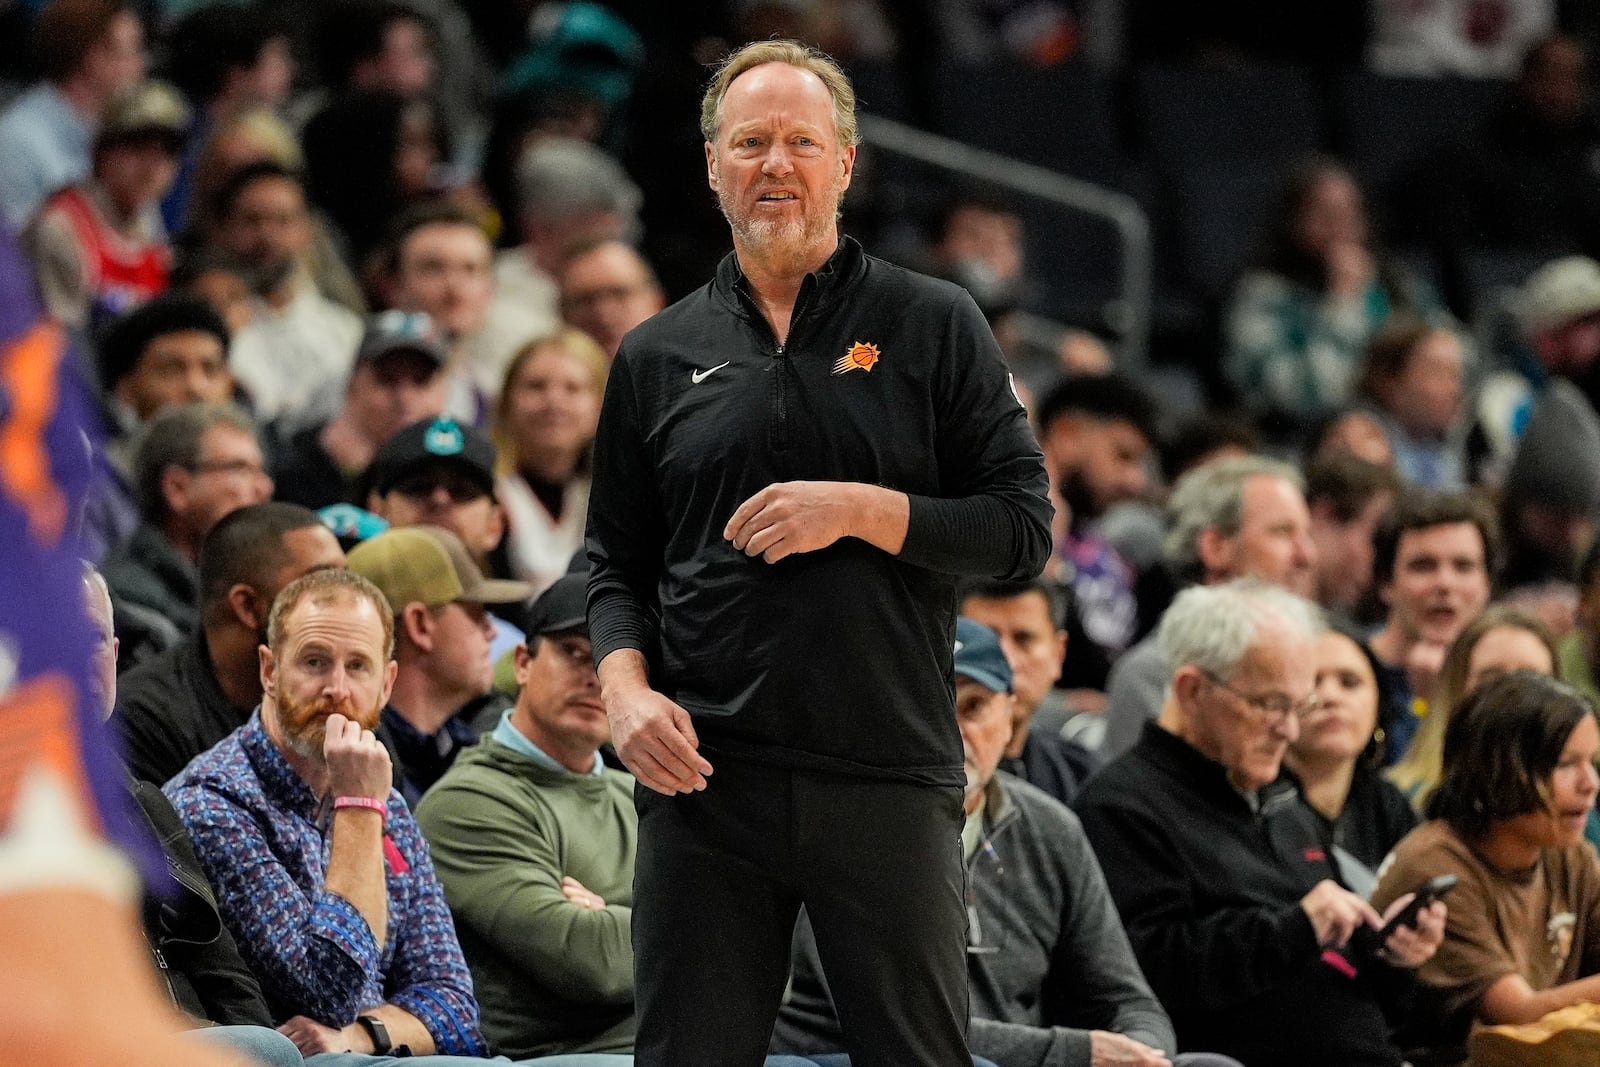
[839, 1059]
[262, 1044]
[358, 1059]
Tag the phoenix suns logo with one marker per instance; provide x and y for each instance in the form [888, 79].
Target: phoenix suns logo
[860, 356]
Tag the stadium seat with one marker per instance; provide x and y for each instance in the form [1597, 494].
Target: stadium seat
[1060, 117]
[1188, 115]
[1384, 127]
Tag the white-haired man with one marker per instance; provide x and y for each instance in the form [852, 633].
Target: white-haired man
[1052, 980]
[569, 194]
[1230, 898]
[1235, 517]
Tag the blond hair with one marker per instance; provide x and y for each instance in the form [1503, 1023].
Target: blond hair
[269, 138]
[794, 54]
[325, 586]
[572, 342]
[1417, 774]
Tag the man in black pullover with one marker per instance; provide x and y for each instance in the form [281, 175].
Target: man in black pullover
[1231, 903]
[793, 466]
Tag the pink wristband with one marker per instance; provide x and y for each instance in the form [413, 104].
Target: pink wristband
[370, 803]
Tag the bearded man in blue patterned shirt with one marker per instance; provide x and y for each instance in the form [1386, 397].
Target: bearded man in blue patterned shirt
[319, 868]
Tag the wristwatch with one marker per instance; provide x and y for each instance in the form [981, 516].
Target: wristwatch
[377, 1031]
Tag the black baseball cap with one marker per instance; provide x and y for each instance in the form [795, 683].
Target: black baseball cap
[561, 608]
[429, 442]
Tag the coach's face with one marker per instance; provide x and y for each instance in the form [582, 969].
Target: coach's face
[777, 166]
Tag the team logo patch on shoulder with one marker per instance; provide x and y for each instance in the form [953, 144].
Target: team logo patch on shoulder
[861, 356]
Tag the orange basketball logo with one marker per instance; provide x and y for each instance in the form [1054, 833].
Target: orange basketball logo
[861, 356]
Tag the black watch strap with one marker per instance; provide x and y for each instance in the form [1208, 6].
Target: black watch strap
[378, 1032]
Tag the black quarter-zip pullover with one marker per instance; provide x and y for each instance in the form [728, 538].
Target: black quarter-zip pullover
[1209, 889]
[838, 659]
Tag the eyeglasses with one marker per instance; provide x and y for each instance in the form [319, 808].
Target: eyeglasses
[976, 946]
[1271, 707]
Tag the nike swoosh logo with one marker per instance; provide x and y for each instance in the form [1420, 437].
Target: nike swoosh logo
[701, 375]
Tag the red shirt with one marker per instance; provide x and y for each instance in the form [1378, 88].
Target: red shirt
[120, 273]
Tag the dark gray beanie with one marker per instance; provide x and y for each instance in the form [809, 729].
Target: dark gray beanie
[1558, 458]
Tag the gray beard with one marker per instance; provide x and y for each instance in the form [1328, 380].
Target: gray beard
[798, 234]
[975, 784]
[768, 235]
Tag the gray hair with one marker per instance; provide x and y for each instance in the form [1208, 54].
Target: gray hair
[173, 439]
[1211, 497]
[1213, 626]
[560, 177]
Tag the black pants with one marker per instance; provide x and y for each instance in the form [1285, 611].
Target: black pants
[719, 881]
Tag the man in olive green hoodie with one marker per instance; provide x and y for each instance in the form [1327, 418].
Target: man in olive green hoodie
[533, 838]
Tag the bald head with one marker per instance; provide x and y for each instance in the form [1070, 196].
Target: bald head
[103, 656]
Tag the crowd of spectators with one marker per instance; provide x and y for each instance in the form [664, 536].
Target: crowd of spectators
[347, 280]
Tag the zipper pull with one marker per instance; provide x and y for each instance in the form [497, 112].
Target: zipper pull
[166, 972]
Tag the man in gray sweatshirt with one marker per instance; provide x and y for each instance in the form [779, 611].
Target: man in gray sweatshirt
[1051, 979]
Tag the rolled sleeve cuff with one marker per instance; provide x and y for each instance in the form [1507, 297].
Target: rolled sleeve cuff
[448, 1015]
[336, 922]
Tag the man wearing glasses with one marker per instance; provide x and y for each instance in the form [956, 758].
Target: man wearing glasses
[1234, 909]
[196, 463]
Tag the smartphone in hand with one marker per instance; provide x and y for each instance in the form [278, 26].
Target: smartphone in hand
[1366, 941]
[1426, 894]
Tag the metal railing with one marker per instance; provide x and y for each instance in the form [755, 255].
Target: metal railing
[1128, 314]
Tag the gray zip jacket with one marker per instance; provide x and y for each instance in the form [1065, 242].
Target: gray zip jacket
[1047, 960]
